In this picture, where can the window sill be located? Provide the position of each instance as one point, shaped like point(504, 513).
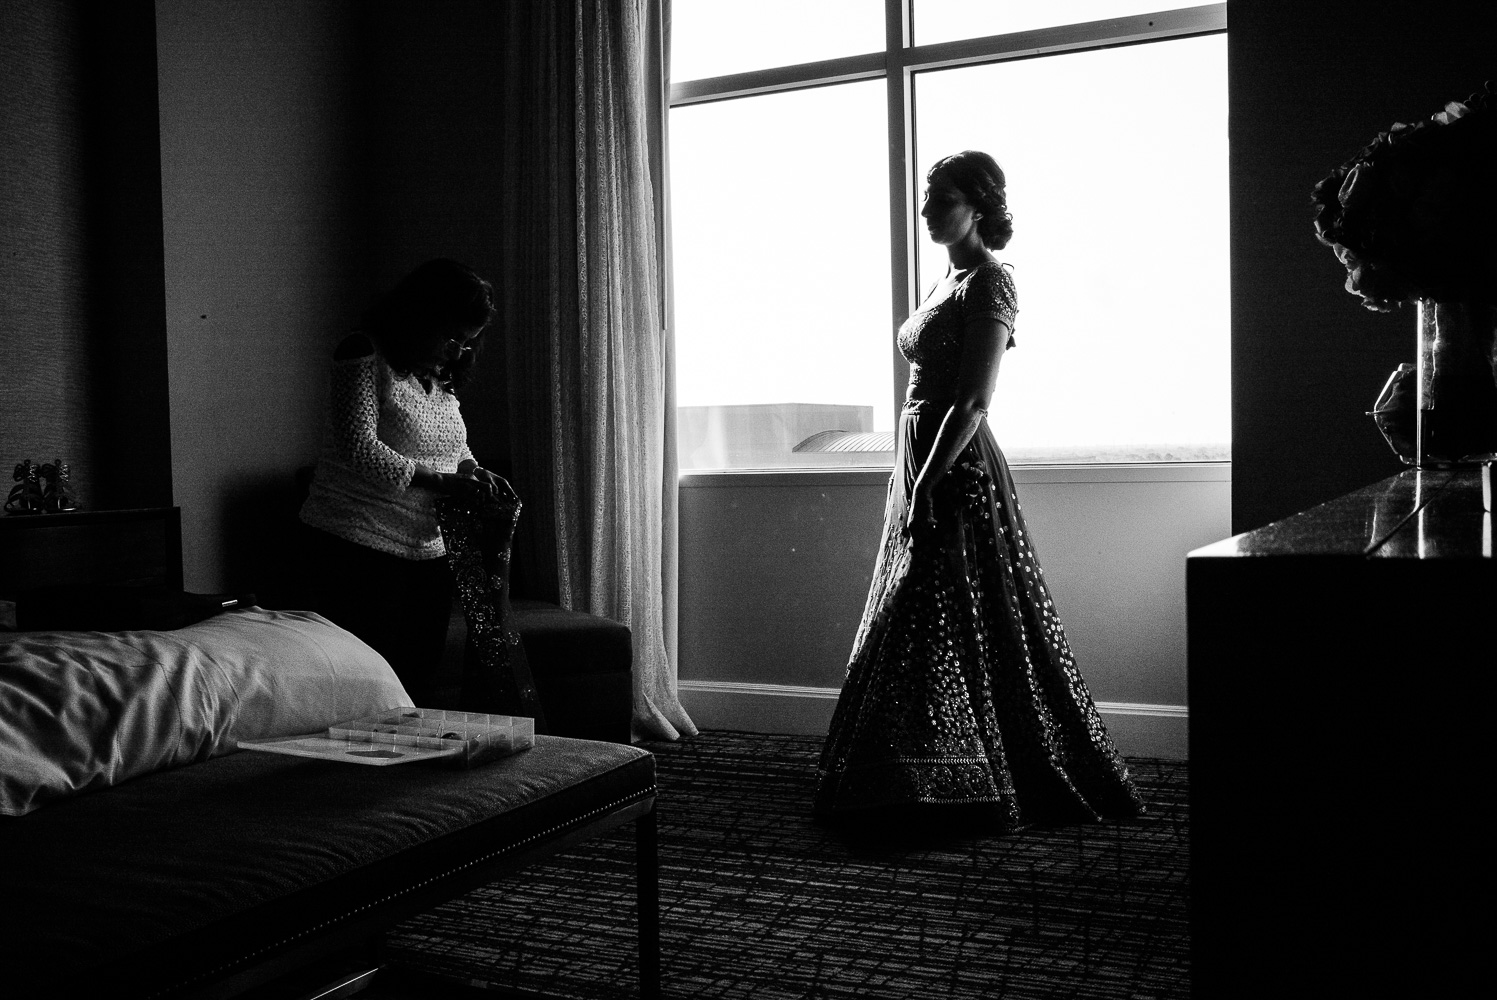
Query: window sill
point(1173, 472)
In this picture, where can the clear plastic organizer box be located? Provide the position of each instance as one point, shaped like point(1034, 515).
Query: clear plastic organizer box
point(406, 735)
point(479, 737)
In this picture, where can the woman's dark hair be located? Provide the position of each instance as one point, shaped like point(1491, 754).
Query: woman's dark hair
point(979, 178)
point(440, 297)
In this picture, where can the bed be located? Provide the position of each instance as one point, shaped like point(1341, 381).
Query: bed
point(143, 854)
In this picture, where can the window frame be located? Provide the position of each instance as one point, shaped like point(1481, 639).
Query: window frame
point(897, 65)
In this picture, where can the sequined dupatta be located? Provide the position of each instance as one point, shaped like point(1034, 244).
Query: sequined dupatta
point(496, 673)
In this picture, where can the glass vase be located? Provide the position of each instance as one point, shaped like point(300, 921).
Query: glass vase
point(1457, 383)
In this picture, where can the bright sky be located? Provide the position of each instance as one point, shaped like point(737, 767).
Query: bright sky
point(1117, 169)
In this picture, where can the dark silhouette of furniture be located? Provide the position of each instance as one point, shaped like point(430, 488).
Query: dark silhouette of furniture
point(1340, 705)
point(582, 664)
point(256, 872)
point(582, 667)
point(225, 875)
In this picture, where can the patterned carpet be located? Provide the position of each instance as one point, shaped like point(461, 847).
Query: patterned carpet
point(759, 902)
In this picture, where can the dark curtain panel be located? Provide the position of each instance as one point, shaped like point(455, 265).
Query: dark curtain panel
point(539, 292)
point(588, 351)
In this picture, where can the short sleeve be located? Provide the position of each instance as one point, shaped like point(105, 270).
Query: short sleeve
point(989, 294)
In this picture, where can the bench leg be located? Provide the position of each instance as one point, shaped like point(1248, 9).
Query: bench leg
point(648, 862)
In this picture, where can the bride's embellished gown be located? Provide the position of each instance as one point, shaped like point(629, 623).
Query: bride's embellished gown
point(961, 687)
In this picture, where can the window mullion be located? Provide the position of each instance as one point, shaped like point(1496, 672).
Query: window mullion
point(843, 69)
point(1132, 30)
point(902, 291)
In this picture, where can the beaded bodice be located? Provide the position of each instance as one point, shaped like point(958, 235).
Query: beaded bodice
point(931, 339)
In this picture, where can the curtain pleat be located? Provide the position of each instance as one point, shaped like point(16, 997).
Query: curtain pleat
point(598, 425)
point(658, 74)
point(538, 278)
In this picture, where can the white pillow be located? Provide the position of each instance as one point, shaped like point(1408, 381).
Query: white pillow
point(81, 710)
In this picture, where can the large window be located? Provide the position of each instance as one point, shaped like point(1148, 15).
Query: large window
point(781, 252)
point(796, 167)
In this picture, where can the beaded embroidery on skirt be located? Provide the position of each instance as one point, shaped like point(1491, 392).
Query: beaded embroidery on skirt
point(962, 687)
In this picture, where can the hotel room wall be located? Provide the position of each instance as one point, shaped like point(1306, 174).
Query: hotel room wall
point(775, 569)
point(82, 330)
point(1311, 84)
point(265, 258)
point(433, 147)
point(311, 155)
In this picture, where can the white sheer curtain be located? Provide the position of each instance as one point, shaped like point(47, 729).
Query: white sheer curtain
point(588, 356)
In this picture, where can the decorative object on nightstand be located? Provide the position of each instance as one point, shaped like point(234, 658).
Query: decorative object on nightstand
point(26, 496)
point(57, 488)
point(1410, 217)
point(1457, 385)
point(1396, 413)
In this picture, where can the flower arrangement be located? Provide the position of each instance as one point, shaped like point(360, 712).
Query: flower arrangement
point(1414, 214)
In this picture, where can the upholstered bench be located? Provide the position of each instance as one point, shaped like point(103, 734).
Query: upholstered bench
point(234, 873)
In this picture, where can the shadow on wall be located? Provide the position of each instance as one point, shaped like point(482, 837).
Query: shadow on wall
point(263, 550)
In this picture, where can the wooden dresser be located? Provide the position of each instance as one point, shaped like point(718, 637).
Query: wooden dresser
point(1341, 747)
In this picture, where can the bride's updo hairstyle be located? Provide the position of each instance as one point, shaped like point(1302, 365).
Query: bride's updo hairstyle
point(979, 178)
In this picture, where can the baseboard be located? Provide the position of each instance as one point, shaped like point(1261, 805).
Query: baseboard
point(1138, 730)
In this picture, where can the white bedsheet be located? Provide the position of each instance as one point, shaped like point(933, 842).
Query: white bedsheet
point(84, 710)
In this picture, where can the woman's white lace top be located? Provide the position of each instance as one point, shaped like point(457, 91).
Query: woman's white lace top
point(380, 426)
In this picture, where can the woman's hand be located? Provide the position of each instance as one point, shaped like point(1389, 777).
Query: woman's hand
point(495, 486)
point(920, 517)
point(463, 484)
